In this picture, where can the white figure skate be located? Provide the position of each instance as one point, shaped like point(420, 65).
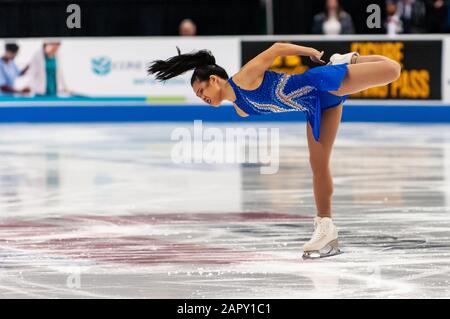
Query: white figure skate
point(342, 58)
point(324, 241)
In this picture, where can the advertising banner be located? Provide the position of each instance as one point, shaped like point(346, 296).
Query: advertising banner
point(421, 62)
point(116, 67)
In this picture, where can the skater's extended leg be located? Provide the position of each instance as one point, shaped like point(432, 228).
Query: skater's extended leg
point(357, 59)
point(376, 71)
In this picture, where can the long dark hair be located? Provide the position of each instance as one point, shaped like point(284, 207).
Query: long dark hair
point(203, 63)
point(339, 10)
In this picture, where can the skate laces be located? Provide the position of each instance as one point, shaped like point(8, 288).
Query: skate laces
point(320, 230)
point(317, 221)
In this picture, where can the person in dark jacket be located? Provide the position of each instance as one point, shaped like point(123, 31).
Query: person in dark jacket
point(437, 15)
point(412, 13)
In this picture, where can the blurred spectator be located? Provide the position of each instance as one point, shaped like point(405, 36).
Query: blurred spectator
point(436, 16)
point(393, 23)
point(412, 14)
point(9, 71)
point(45, 71)
point(187, 28)
point(333, 20)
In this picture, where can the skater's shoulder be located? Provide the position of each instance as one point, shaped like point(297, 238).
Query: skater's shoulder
point(249, 84)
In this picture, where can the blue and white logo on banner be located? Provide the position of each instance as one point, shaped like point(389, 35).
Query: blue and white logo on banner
point(101, 65)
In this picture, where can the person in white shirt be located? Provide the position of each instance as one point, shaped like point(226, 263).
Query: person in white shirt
point(393, 24)
point(45, 74)
point(333, 20)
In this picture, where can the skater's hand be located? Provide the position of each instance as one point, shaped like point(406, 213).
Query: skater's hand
point(316, 56)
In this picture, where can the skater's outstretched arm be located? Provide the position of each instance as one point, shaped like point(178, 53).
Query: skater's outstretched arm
point(252, 72)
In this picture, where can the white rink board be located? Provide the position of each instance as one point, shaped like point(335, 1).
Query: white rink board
point(446, 71)
point(117, 66)
point(124, 59)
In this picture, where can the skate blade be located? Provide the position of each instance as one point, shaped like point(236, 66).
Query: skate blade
point(332, 249)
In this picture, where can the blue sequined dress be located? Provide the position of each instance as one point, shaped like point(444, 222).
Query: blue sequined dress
point(306, 92)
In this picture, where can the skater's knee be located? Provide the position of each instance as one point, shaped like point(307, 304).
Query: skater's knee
point(319, 165)
point(393, 70)
point(397, 69)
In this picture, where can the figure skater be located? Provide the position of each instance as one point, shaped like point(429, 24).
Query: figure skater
point(319, 93)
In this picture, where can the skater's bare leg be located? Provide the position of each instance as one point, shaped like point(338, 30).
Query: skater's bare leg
point(368, 72)
point(319, 158)
point(368, 58)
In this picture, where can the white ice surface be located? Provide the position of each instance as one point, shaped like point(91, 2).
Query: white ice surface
point(95, 211)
